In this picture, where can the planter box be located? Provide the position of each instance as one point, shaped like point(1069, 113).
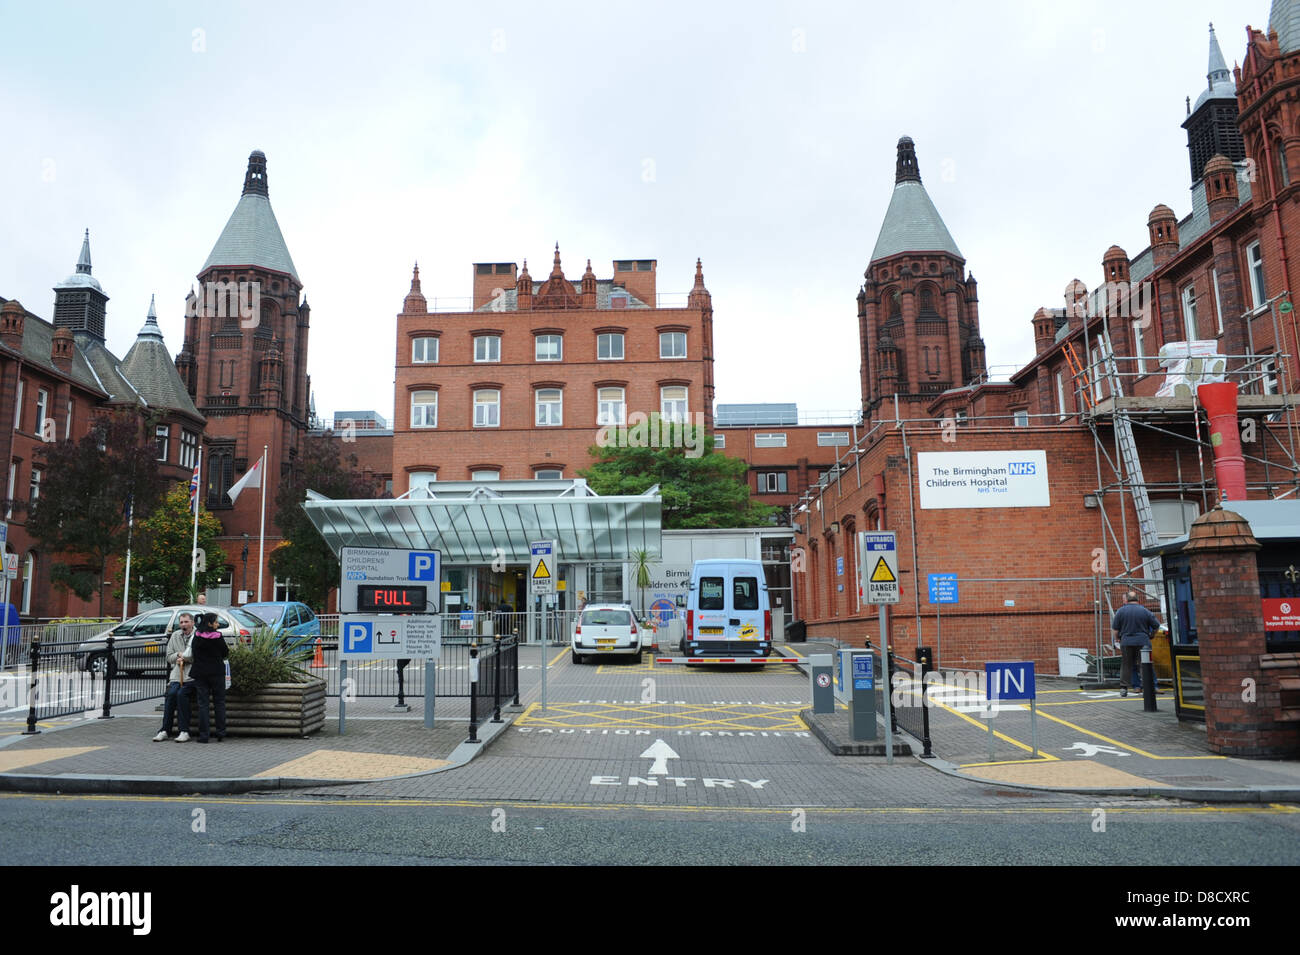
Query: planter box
point(278, 709)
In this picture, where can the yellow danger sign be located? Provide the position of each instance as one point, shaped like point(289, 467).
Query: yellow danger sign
point(882, 574)
point(542, 572)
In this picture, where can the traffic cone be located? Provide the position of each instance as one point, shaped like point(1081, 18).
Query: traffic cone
point(318, 662)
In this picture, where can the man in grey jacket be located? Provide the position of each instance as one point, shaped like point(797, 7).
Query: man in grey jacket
point(179, 657)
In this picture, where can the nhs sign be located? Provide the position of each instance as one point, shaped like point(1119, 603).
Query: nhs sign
point(1009, 681)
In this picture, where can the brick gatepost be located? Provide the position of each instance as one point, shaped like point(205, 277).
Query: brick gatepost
point(1230, 628)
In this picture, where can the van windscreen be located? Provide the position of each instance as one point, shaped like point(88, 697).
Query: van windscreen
point(746, 593)
point(711, 593)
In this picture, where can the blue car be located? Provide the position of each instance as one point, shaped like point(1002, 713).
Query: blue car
point(288, 618)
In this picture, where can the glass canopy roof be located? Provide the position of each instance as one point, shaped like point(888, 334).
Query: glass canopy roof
point(473, 523)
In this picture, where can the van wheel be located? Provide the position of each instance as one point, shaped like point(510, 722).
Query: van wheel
point(577, 659)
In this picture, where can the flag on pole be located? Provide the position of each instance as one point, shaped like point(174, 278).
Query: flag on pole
point(194, 490)
point(252, 479)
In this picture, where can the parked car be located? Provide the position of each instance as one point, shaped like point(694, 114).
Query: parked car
point(605, 630)
point(289, 618)
point(140, 643)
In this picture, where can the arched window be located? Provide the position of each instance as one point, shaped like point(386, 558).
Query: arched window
point(221, 475)
point(927, 301)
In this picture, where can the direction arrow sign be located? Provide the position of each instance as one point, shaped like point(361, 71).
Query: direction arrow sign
point(660, 752)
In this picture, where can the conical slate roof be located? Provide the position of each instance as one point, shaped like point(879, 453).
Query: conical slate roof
point(1284, 17)
point(252, 236)
point(150, 371)
point(912, 223)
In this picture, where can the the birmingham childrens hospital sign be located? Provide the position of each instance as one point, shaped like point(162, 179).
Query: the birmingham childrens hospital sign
point(952, 479)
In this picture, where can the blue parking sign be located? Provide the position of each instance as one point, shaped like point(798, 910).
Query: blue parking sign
point(423, 565)
point(358, 636)
point(864, 677)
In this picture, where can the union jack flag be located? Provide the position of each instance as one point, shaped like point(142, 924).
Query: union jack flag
point(194, 491)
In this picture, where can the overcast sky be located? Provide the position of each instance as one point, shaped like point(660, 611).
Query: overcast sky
point(759, 138)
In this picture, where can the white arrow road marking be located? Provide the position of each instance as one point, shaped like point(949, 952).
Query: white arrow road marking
point(1102, 695)
point(660, 752)
point(1092, 749)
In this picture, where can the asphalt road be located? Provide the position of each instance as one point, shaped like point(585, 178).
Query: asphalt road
point(272, 830)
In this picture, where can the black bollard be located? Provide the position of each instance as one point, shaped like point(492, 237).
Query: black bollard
point(473, 693)
point(35, 662)
point(1148, 682)
point(110, 667)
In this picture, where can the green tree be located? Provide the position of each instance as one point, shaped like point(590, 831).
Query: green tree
point(303, 557)
point(160, 559)
point(81, 514)
point(699, 487)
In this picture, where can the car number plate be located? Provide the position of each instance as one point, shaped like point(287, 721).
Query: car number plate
point(605, 642)
point(711, 630)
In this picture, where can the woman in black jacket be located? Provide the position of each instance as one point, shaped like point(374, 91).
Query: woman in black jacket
point(209, 673)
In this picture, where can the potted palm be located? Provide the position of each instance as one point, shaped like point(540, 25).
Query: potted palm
point(270, 694)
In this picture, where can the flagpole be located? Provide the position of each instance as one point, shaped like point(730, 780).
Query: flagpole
point(261, 531)
point(194, 546)
point(130, 525)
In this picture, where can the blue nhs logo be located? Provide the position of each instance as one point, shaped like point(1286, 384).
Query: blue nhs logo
point(423, 565)
point(358, 637)
point(1020, 467)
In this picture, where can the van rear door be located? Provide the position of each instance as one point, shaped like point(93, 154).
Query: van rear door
point(745, 608)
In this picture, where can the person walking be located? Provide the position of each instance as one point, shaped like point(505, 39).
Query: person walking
point(1133, 626)
point(179, 692)
point(209, 673)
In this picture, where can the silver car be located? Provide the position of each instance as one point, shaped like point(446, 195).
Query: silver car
point(140, 643)
point(605, 630)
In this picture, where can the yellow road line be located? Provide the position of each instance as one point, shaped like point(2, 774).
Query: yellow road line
point(983, 727)
point(1270, 809)
point(1132, 749)
point(666, 716)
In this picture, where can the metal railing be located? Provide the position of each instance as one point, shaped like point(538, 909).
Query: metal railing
point(16, 640)
point(910, 710)
point(60, 679)
point(398, 679)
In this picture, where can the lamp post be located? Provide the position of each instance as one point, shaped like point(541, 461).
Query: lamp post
point(243, 584)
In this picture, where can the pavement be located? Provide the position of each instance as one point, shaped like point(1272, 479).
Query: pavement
point(747, 735)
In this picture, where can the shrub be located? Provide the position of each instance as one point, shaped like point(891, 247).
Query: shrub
point(267, 658)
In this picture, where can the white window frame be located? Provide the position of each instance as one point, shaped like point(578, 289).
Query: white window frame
point(421, 347)
point(13, 480)
point(490, 408)
point(18, 407)
point(559, 347)
point(1255, 273)
point(67, 421)
point(419, 481)
point(1268, 371)
point(769, 482)
point(34, 486)
point(832, 439)
point(609, 339)
point(1020, 417)
point(548, 413)
point(1188, 297)
point(189, 448)
point(1060, 395)
point(672, 337)
point(610, 411)
point(1139, 346)
point(674, 408)
point(423, 418)
point(42, 409)
point(769, 439)
point(162, 437)
point(487, 348)
point(29, 572)
point(1218, 305)
point(548, 474)
point(719, 440)
point(486, 474)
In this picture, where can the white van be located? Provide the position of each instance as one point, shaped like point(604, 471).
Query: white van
point(727, 610)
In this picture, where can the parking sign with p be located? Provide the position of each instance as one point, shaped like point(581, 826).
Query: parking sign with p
point(358, 637)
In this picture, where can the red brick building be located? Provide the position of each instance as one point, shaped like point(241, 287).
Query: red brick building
point(1216, 275)
point(54, 379)
point(244, 363)
point(522, 385)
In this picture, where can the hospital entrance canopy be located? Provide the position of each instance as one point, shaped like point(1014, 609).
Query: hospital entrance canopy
point(477, 522)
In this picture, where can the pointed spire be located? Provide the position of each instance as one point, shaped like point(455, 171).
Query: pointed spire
point(907, 169)
point(556, 271)
point(83, 260)
point(699, 296)
point(699, 274)
point(415, 301)
point(415, 279)
point(1218, 71)
point(255, 177)
point(151, 329)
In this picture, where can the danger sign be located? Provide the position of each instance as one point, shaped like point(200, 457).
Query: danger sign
point(542, 560)
point(878, 567)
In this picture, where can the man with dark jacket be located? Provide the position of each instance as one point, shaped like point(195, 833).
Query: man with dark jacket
point(1133, 626)
point(209, 672)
